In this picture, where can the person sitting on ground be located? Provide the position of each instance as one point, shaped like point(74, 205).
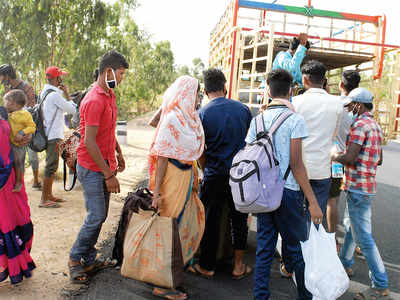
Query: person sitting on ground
point(362, 157)
point(292, 59)
point(54, 106)
point(16, 229)
point(21, 124)
point(177, 144)
point(99, 160)
point(288, 220)
point(225, 124)
point(349, 81)
point(9, 79)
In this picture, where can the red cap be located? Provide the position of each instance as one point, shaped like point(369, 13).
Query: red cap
point(52, 72)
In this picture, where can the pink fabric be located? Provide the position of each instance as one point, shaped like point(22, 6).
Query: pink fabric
point(285, 102)
point(14, 215)
point(179, 133)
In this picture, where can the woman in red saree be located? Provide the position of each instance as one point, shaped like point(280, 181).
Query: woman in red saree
point(16, 229)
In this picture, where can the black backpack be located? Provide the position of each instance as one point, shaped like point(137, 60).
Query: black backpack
point(39, 139)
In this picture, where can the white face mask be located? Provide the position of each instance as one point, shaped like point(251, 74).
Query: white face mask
point(111, 84)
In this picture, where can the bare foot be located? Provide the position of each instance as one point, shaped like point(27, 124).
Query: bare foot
point(17, 187)
point(242, 270)
point(196, 269)
point(55, 199)
point(169, 294)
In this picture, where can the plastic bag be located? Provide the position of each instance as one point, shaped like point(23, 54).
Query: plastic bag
point(324, 273)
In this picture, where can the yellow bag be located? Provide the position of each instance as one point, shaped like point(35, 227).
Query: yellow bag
point(152, 250)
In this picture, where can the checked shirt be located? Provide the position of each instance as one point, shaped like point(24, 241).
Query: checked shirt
point(360, 177)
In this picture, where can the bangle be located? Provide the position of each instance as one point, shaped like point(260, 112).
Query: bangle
point(109, 177)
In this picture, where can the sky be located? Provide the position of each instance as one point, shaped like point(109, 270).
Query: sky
point(187, 23)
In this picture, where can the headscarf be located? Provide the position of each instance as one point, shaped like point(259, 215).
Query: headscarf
point(179, 133)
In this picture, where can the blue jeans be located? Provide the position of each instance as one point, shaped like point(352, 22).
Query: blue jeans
point(97, 201)
point(291, 220)
point(321, 188)
point(359, 229)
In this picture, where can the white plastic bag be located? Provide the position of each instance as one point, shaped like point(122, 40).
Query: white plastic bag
point(324, 274)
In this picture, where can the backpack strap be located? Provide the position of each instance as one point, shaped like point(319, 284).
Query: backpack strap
point(46, 93)
point(260, 125)
point(278, 122)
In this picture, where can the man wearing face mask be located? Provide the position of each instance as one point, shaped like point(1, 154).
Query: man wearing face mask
point(363, 155)
point(56, 101)
point(99, 160)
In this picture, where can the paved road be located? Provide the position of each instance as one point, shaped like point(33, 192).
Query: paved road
point(386, 215)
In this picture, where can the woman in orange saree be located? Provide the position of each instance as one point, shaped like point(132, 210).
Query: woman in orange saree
point(178, 143)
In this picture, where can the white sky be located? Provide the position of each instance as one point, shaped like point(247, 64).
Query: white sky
point(188, 23)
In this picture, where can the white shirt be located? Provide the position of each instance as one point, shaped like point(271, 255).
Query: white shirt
point(322, 113)
point(344, 128)
point(54, 107)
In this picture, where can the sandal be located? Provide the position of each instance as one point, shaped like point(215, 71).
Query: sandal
point(98, 265)
point(372, 294)
point(37, 186)
point(195, 271)
point(58, 200)
point(49, 204)
point(170, 294)
point(77, 274)
point(247, 271)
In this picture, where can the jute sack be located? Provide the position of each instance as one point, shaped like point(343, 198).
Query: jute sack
point(152, 250)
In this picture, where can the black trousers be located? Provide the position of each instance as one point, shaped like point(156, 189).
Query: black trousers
point(215, 194)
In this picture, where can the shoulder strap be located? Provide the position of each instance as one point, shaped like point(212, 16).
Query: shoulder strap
point(260, 125)
point(278, 122)
point(46, 93)
point(65, 178)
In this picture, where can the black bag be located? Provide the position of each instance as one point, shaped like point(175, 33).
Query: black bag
point(39, 139)
point(142, 199)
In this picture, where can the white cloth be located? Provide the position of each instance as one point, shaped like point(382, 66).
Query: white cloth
point(55, 105)
point(344, 127)
point(322, 113)
point(180, 132)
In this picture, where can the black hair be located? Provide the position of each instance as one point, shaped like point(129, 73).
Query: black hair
point(16, 96)
point(95, 74)
point(279, 82)
point(8, 69)
point(295, 42)
point(315, 71)
point(351, 79)
point(369, 106)
point(112, 59)
point(214, 80)
point(3, 113)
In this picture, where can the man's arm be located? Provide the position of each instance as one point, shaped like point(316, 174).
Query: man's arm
point(300, 174)
point(30, 95)
point(94, 152)
point(350, 157)
point(120, 157)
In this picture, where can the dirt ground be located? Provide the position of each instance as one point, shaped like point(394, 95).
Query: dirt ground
point(55, 230)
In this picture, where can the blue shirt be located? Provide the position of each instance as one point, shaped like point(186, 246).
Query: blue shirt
point(293, 128)
point(284, 60)
point(225, 124)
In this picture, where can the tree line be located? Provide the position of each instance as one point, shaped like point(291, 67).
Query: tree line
point(73, 35)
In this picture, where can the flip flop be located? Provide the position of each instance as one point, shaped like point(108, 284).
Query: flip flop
point(58, 200)
point(247, 271)
point(77, 274)
point(372, 294)
point(193, 269)
point(98, 265)
point(170, 293)
point(49, 204)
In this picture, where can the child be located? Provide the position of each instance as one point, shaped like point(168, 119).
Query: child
point(16, 229)
point(21, 124)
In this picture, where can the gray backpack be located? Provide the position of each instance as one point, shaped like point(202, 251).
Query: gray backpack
point(255, 174)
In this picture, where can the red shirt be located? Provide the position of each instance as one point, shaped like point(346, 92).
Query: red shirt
point(365, 132)
point(98, 109)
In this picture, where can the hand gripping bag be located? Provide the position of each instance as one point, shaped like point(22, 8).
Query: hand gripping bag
point(324, 273)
